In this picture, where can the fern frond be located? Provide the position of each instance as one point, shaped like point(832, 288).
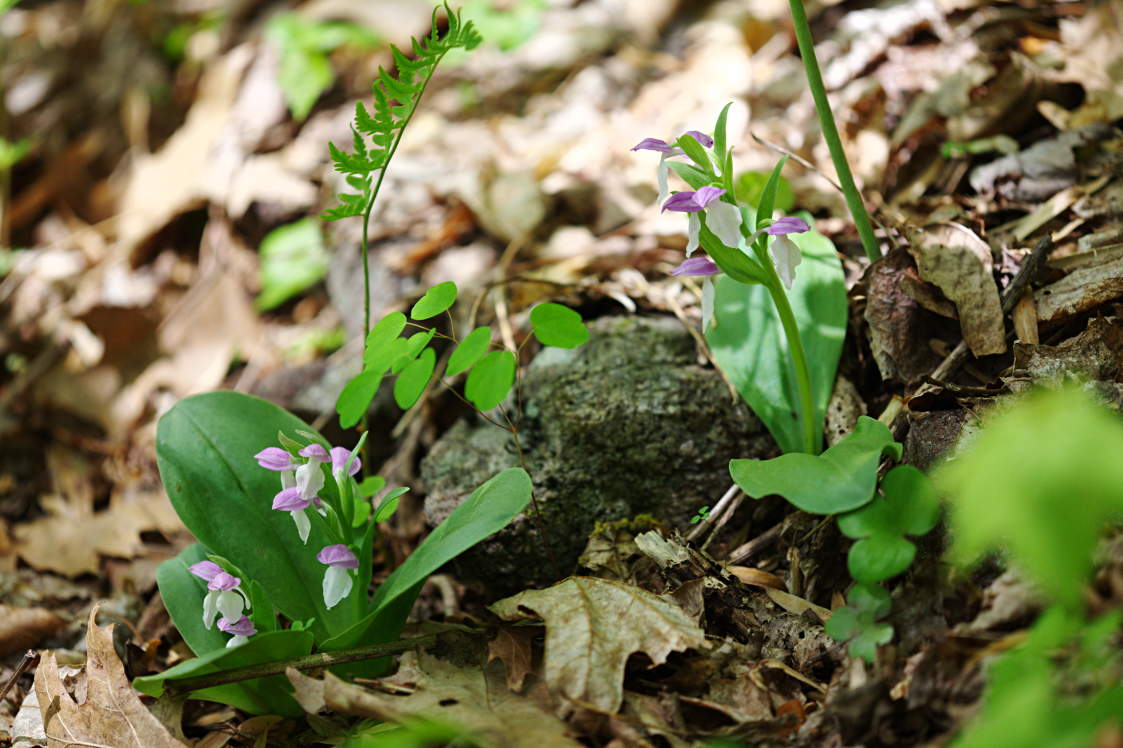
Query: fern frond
point(378, 131)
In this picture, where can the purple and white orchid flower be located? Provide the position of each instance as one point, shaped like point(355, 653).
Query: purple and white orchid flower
point(301, 481)
point(337, 579)
point(785, 254)
point(666, 151)
point(242, 628)
point(224, 594)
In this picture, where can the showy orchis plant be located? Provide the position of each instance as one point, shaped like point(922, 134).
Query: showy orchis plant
point(737, 245)
point(304, 548)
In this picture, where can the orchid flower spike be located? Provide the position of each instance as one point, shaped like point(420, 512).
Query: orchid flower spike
point(242, 628)
point(337, 578)
point(785, 254)
point(301, 480)
point(224, 594)
point(666, 151)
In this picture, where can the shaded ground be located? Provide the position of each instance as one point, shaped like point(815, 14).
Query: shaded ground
point(161, 151)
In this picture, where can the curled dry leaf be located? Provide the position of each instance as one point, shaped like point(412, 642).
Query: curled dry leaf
point(593, 626)
point(111, 715)
point(953, 258)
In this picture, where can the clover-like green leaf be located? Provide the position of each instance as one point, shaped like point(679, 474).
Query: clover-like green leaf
point(840, 479)
point(907, 506)
point(411, 382)
point(469, 351)
point(490, 380)
point(857, 621)
point(436, 300)
point(414, 345)
point(558, 326)
point(385, 330)
point(356, 396)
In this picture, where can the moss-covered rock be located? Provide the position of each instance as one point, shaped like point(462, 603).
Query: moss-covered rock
point(629, 423)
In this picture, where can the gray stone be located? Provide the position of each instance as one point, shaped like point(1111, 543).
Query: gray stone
point(627, 424)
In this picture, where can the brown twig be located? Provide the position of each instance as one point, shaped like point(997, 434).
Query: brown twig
point(30, 660)
point(308, 662)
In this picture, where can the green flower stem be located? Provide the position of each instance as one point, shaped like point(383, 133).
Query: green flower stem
point(830, 131)
point(795, 345)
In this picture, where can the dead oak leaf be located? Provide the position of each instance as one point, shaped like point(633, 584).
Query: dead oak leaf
point(471, 698)
point(593, 626)
point(112, 713)
point(512, 646)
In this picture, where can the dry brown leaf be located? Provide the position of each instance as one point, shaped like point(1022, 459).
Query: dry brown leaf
point(21, 628)
point(1092, 50)
point(111, 714)
point(953, 258)
point(899, 328)
point(72, 537)
point(167, 183)
point(512, 646)
point(758, 577)
point(795, 604)
point(474, 699)
point(593, 626)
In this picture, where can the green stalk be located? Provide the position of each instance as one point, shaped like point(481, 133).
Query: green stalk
point(830, 131)
point(374, 196)
point(795, 346)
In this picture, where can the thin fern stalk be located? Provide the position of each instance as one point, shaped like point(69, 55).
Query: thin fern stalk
point(363, 248)
point(830, 130)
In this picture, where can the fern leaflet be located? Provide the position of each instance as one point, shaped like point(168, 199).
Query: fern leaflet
point(378, 132)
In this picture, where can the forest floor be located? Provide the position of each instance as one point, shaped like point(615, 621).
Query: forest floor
point(149, 151)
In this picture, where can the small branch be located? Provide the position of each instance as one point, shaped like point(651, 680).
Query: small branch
point(308, 662)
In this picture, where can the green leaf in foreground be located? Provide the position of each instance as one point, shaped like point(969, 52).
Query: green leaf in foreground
point(1041, 480)
point(293, 258)
point(840, 479)
point(558, 326)
point(436, 300)
point(469, 351)
point(490, 380)
point(907, 506)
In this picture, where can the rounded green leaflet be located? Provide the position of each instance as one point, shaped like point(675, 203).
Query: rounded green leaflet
point(558, 326)
point(414, 345)
point(436, 300)
point(470, 350)
point(356, 396)
point(411, 382)
point(386, 329)
point(491, 379)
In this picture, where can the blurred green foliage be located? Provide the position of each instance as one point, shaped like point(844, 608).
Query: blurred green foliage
point(1040, 481)
point(304, 45)
point(293, 258)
